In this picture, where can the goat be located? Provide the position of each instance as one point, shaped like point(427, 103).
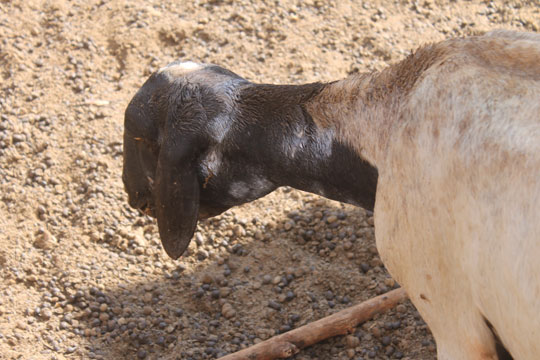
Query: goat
point(448, 140)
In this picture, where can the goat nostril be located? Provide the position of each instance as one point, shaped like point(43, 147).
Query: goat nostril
point(132, 202)
point(137, 202)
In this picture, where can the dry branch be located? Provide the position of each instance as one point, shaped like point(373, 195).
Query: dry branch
point(340, 323)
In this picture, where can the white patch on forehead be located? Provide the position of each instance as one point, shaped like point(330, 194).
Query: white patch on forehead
point(180, 69)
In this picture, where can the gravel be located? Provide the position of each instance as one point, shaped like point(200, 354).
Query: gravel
point(84, 276)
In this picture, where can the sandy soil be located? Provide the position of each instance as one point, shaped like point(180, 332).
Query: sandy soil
point(83, 275)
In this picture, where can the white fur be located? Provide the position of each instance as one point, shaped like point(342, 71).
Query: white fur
point(239, 190)
point(220, 126)
point(250, 191)
point(211, 164)
point(176, 69)
point(228, 91)
point(323, 148)
point(297, 140)
point(457, 214)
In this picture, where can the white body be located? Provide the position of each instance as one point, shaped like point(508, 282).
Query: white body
point(457, 214)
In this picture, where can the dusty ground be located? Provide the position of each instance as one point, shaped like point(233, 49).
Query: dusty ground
point(83, 275)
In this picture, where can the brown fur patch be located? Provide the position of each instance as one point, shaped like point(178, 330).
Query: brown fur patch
point(435, 132)
point(369, 104)
point(365, 108)
point(400, 78)
point(518, 57)
point(464, 125)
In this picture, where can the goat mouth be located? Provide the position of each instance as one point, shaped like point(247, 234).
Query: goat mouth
point(143, 207)
point(141, 203)
point(208, 212)
point(203, 216)
point(148, 210)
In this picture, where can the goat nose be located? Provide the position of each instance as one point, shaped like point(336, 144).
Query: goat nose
point(135, 201)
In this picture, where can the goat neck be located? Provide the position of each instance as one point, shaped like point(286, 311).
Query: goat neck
point(298, 153)
point(364, 109)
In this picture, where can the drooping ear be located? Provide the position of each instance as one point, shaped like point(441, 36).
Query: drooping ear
point(177, 189)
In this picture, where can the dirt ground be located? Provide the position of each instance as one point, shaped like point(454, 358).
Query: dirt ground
point(83, 276)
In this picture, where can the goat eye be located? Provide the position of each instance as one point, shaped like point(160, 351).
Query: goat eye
point(149, 144)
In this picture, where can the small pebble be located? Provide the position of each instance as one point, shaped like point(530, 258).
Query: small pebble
point(224, 292)
point(274, 305)
point(352, 341)
point(46, 313)
point(389, 282)
point(207, 279)
point(294, 318)
point(289, 296)
point(202, 254)
point(331, 219)
point(64, 325)
point(45, 241)
point(147, 298)
point(329, 295)
point(365, 267)
point(160, 340)
point(228, 311)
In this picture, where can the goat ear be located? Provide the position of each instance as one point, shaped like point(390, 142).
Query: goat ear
point(177, 189)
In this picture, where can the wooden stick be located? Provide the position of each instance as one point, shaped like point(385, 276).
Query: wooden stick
point(343, 322)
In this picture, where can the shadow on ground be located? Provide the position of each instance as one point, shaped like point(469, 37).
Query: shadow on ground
point(313, 261)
